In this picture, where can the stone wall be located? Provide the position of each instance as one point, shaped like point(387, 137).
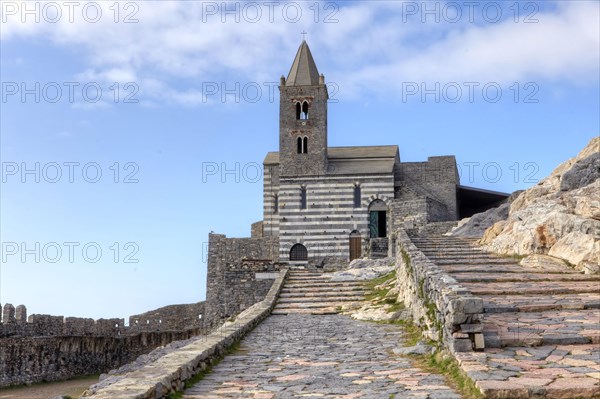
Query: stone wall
point(169, 373)
point(436, 228)
point(437, 302)
point(25, 360)
point(53, 348)
point(172, 317)
point(256, 230)
point(437, 179)
point(240, 273)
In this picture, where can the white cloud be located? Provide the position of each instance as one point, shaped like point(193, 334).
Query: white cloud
point(373, 47)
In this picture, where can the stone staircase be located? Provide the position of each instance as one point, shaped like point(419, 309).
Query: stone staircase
point(541, 325)
point(314, 293)
point(379, 248)
point(524, 306)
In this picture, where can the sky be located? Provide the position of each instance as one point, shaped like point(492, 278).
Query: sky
point(132, 129)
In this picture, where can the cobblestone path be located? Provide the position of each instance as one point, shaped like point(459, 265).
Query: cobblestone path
point(319, 356)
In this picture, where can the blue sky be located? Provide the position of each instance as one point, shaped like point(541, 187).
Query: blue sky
point(174, 59)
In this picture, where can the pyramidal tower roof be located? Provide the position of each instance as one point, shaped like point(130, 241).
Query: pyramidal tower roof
point(304, 70)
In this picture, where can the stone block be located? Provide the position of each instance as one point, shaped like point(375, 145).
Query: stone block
point(461, 345)
point(471, 328)
point(479, 341)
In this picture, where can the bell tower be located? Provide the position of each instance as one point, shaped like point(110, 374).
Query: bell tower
point(303, 118)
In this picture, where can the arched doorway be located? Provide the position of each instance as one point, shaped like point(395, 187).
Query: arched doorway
point(298, 252)
point(377, 219)
point(355, 245)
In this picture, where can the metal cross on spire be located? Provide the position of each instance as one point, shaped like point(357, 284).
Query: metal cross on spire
point(303, 33)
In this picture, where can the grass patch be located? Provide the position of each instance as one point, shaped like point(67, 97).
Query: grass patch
point(439, 362)
point(449, 368)
point(375, 289)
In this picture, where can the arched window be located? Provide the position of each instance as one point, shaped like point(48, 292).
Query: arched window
point(275, 203)
point(304, 114)
point(305, 145)
point(357, 196)
point(298, 110)
point(299, 145)
point(303, 197)
point(298, 252)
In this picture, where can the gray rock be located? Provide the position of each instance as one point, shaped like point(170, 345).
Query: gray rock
point(582, 173)
point(418, 349)
point(480, 222)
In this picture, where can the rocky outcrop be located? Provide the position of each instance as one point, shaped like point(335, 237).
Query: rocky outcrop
point(364, 269)
point(476, 225)
point(560, 216)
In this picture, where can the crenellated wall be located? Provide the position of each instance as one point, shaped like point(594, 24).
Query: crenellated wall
point(53, 348)
point(26, 360)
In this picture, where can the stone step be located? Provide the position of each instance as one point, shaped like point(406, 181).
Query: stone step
point(473, 261)
point(540, 288)
point(564, 327)
point(308, 279)
point(305, 273)
point(323, 311)
point(508, 268)
point(518, 277)
point(536, 303)
point(327, 285)
point(305, 299)
point(316, 305)
point(450, 248)
point(465, 254)
point(321, 294)
point(445, 241)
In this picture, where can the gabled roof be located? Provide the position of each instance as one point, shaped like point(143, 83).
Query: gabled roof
point(375, 151)
point(304, 70)
point(350, 160)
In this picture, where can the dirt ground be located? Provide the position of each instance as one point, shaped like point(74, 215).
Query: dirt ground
point(50, 390)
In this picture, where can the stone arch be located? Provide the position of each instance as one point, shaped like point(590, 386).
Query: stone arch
point(374, 197)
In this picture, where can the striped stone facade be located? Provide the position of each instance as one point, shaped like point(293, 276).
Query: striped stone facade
point(325, 225)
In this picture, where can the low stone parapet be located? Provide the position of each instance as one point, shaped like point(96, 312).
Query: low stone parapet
point(169, 373)
point(437, 302)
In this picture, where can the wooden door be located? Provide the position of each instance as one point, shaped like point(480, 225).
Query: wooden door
point(355, 247)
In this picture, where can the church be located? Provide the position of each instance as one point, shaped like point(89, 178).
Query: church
point(325, 204)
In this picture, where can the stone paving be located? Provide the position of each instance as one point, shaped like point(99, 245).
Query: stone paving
point(319, 356)
point(541, 325)
point(561, 371)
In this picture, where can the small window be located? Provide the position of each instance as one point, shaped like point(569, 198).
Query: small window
point(275, 203)
point(305, 145)
point(304, 114)
point(357, 196)
point(299, 145)
point(298, 110)
point(298, 252)
point(303, 198)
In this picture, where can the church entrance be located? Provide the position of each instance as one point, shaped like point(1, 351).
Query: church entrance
point(355, 245)
point(377, 219)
